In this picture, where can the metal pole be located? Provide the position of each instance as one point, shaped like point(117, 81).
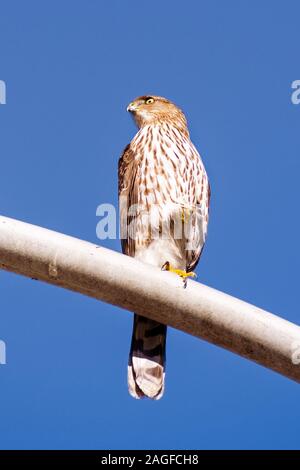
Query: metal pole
point(123, 281)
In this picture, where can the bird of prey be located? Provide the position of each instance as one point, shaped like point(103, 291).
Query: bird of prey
point(164, 198)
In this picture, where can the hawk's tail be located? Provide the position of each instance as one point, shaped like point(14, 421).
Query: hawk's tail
point(146, 366)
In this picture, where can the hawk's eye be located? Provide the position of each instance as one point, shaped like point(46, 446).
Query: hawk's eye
point(149, 101)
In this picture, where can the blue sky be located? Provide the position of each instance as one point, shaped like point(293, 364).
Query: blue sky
point(70, 69)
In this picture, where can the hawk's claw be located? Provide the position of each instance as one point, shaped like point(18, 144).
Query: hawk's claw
point(180, 272)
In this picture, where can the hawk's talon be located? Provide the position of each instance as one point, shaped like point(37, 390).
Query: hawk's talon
point(180, 272)
point(166, 266)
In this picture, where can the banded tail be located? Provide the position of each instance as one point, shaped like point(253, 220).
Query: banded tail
point(146, 366)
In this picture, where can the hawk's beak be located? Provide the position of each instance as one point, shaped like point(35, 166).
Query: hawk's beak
point(131, 107)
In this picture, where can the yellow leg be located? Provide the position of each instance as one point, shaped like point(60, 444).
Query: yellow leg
point(180, 272)
point(185, 214)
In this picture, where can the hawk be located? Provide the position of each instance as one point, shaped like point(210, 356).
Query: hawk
point(164, 198)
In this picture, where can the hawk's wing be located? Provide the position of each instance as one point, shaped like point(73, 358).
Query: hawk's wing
point(199, 189)
point(128, 196)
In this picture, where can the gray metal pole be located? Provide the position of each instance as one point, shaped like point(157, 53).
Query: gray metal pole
point(123, 281)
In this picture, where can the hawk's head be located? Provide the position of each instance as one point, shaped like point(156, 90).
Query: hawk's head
point(152, 109)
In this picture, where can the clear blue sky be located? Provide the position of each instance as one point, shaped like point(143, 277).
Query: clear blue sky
point(71, 68)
